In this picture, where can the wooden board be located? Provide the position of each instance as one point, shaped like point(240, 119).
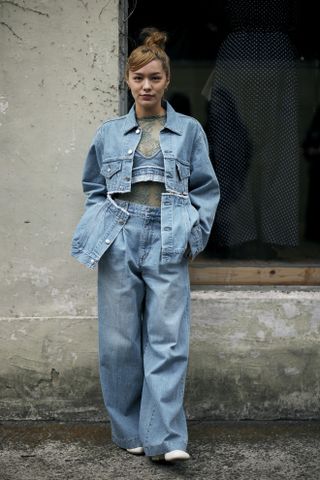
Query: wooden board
point(210, 274)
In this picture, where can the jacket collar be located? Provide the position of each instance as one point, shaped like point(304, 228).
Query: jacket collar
point(173, 122)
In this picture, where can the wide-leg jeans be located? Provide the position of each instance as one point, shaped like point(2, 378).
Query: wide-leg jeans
point(143, 309)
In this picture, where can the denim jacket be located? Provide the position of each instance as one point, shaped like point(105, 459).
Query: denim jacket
point(188, 205)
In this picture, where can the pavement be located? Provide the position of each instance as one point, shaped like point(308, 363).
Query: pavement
point(249, 450)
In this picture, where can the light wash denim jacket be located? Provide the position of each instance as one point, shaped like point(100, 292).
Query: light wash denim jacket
point(188, 205)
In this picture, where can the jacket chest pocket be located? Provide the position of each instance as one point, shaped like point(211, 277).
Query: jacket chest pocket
point(182, 176)
point(111, 170)
point(183, 170)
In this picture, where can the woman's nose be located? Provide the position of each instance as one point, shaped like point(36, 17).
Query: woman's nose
point(146, 84)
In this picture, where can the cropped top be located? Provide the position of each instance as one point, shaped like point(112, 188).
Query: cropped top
point(148, 169)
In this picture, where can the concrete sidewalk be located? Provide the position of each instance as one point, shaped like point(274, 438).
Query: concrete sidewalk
point(220, 450)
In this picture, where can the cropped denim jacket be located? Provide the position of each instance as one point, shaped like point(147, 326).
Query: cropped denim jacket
point(188, 205)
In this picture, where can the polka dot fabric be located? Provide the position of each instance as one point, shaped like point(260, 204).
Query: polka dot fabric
point(252, 127)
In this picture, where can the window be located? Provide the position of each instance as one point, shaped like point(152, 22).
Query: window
point(249, 72)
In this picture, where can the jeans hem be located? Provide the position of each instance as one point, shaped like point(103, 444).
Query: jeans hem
point(164, 448)
point(127, 442)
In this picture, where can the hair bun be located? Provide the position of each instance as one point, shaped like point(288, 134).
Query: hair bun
point(151, 37)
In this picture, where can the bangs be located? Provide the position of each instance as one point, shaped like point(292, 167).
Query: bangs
point(143, 55)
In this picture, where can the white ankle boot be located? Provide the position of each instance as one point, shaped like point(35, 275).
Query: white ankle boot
point(173, 456)
point(176, 455)
point(136, 451)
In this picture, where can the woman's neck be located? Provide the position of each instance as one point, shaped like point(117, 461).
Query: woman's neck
point(143, 113)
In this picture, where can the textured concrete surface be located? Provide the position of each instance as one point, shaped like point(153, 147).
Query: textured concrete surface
point(256, 354)
point(59, 79)
point(224, 451)
point(253, 355)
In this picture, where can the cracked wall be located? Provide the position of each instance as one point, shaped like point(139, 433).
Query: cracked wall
point(59, 79)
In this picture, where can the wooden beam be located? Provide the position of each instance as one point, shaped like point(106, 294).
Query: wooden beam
point(210, 274)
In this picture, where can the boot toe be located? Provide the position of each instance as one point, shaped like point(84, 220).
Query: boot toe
point(176, 455)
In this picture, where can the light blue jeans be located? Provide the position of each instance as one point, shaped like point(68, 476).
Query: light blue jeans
point(143, 336)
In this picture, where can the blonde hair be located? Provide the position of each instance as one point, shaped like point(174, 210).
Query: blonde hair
point(154, 42)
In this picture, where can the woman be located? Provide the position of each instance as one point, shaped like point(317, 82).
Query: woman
point(151, 199)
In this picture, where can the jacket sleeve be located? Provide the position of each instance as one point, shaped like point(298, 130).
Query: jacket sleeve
point(93, 182)
point(204, 192)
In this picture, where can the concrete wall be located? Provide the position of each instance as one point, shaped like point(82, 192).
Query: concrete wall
point(254, 354)
point(59, 79)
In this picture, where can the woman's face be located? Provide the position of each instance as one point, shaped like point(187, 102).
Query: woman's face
point(147, 86)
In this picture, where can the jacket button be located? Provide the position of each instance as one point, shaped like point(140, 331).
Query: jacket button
point(130, 151)
point(127, 179)
point(138, 130)
point(108, 241)
point(121, 222)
